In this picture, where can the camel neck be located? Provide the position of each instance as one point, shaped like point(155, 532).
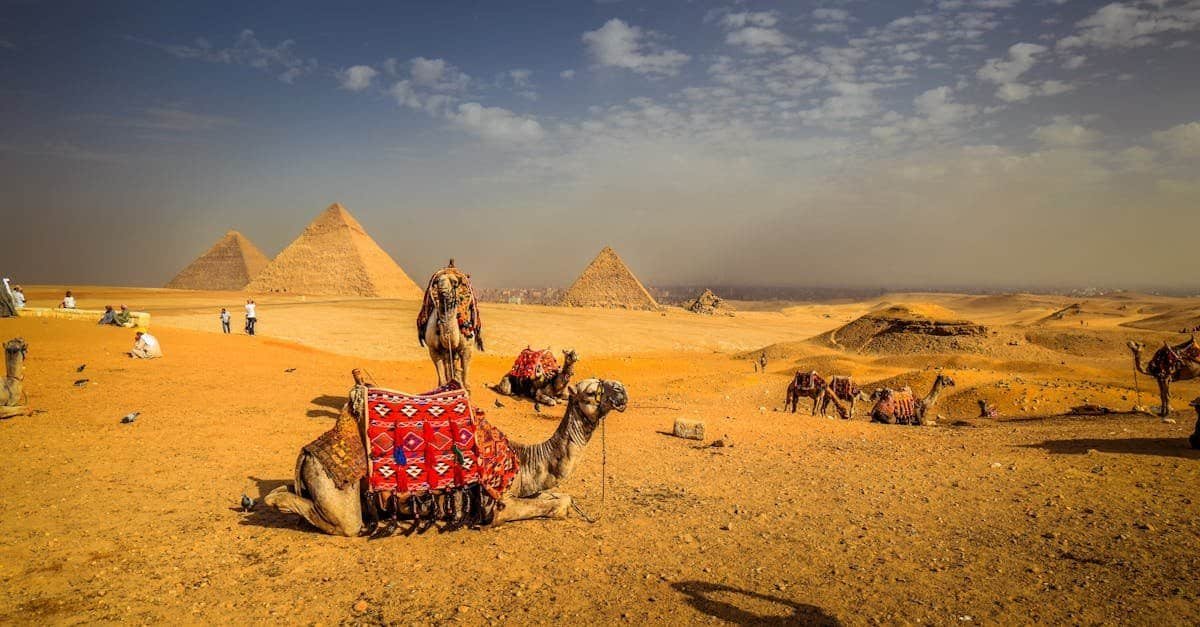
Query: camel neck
point(15, 367)
point(559, 453)
point(934, 393)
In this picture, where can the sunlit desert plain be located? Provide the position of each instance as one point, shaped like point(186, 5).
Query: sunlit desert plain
point(1029, 516)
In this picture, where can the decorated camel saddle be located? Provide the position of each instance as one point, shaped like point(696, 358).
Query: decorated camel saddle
point(1170, 359)
point(843, 387)
point(807, 381)
point(432, 456)
point(902, 404)
point(535, 365)
point(469, 322)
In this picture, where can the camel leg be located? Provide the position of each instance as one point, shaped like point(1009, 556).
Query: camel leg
point(10, 412)
point(543, 398)
point(336, 512)
point(544, 505)
point(1164, 394)
point(816, 399)
point(852, 401)
point(436, 358)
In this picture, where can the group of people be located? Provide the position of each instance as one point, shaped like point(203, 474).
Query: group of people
point(120, 318)
point(251, 317)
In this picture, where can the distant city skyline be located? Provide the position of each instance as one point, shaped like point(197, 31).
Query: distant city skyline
point(916, 143)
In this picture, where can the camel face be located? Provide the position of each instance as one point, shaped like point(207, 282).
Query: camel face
point(596, 397)
point(16, 345)
point(615, 395)
point(946, 381)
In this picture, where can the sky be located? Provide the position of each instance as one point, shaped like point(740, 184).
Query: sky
point(917, 143)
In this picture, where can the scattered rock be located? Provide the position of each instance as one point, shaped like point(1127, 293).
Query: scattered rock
point(1169, 421)
point(724, 442)
point(360, 606)
point(689, 429)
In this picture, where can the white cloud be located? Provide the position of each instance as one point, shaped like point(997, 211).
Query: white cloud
point(249, 51)
point(1062, 132)
point(496, 124)
point(762, 19)
point(1074, 62)
point(617, 44)
point(756, 40)
point(1133, 24)
point(1182, 140)
point(357, 77)
point(438, 75)
point(518, 81)
point(567, 74)
point(1021, 57)
point(831, 20)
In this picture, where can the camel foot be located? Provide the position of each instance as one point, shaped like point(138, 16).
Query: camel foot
point(12, 412)
point(545, 505)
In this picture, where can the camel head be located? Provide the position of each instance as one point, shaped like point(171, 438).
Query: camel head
point(877, 394)
point(1136, 347)
point(596, 397)
point(945, 381)
point(569, 357)
point(16, 345)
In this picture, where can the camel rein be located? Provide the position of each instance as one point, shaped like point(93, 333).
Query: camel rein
point(603, 478)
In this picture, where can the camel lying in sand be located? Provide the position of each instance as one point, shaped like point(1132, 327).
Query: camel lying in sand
point(13, 390)
point(316, 497)
point(903, 407)
point(548, 391)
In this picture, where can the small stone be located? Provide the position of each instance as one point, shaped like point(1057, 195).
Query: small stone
point(996, 464)
point(689, 429)
point(463, 609)
point(727, 526)
point(1169, 421)
point(360, 606)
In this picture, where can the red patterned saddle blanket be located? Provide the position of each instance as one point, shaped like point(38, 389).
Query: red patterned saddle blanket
point(843, 388)
point(534, 364)
point(901, 404)
point(809, 381)
point(422, 443)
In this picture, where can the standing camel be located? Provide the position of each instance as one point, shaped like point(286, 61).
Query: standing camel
point(805, 385)
point(842, 389)
point(336, 510)
point(12, 391)
point(1169, 363)
point(448, 322)
point(903, 407)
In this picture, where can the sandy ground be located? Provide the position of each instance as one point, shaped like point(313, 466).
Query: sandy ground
point(1031, 517)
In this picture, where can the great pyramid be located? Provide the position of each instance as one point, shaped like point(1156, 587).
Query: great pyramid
point(230, 264)
point(608, 282)
point(334, 256)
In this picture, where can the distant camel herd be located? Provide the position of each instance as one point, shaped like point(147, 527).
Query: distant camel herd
point(892, 406)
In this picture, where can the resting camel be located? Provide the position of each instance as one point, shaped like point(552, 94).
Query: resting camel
point(450, 344)
point(12, 392)
point(1169, 363)
point(805, 385)
point(903, 407)
point(316, 497)
point(547, 392)
point(842, 389)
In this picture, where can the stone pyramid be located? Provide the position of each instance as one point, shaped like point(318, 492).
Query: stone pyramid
point(608, 282)
point(230, 264)
point(334, 256)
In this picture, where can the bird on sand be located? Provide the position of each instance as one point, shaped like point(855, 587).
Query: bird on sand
point(130, 417)
point(247, 503)
point(80, 368)
point(498, 403)
point(80, 382)
point(537, 407)
point(290, 370)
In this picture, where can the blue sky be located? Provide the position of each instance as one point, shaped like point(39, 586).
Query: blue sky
point(932, 142)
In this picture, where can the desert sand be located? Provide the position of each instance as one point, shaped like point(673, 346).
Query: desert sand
point(1028, 517)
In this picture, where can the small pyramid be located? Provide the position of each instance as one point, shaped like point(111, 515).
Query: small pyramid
point(709, 304)
point(334, 256)
point(230, 264)
point(608, 282)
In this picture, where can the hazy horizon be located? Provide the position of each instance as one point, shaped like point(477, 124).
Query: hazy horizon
point(1037, 143)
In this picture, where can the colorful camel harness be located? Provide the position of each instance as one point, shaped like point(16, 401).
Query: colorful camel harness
point(538, 365)
point(808, 381)
point(1169, 360)
point(844, 388)
point(469, 322)
point(900, 404)
point(435, 455)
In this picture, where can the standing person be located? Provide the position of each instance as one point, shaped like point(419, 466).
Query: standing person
point(762, 361)
point(68, 301)
point(225, 320)
point(251, 316)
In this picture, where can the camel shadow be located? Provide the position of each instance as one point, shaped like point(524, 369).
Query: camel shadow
point(703, 596)
point(332, 402)
point(321, 413)
point(1165, 447)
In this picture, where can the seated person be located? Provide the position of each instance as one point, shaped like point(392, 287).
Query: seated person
point(68, 301)
point(123, 318)
point(110, 316)
point(145, 347)
point(19, 296)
